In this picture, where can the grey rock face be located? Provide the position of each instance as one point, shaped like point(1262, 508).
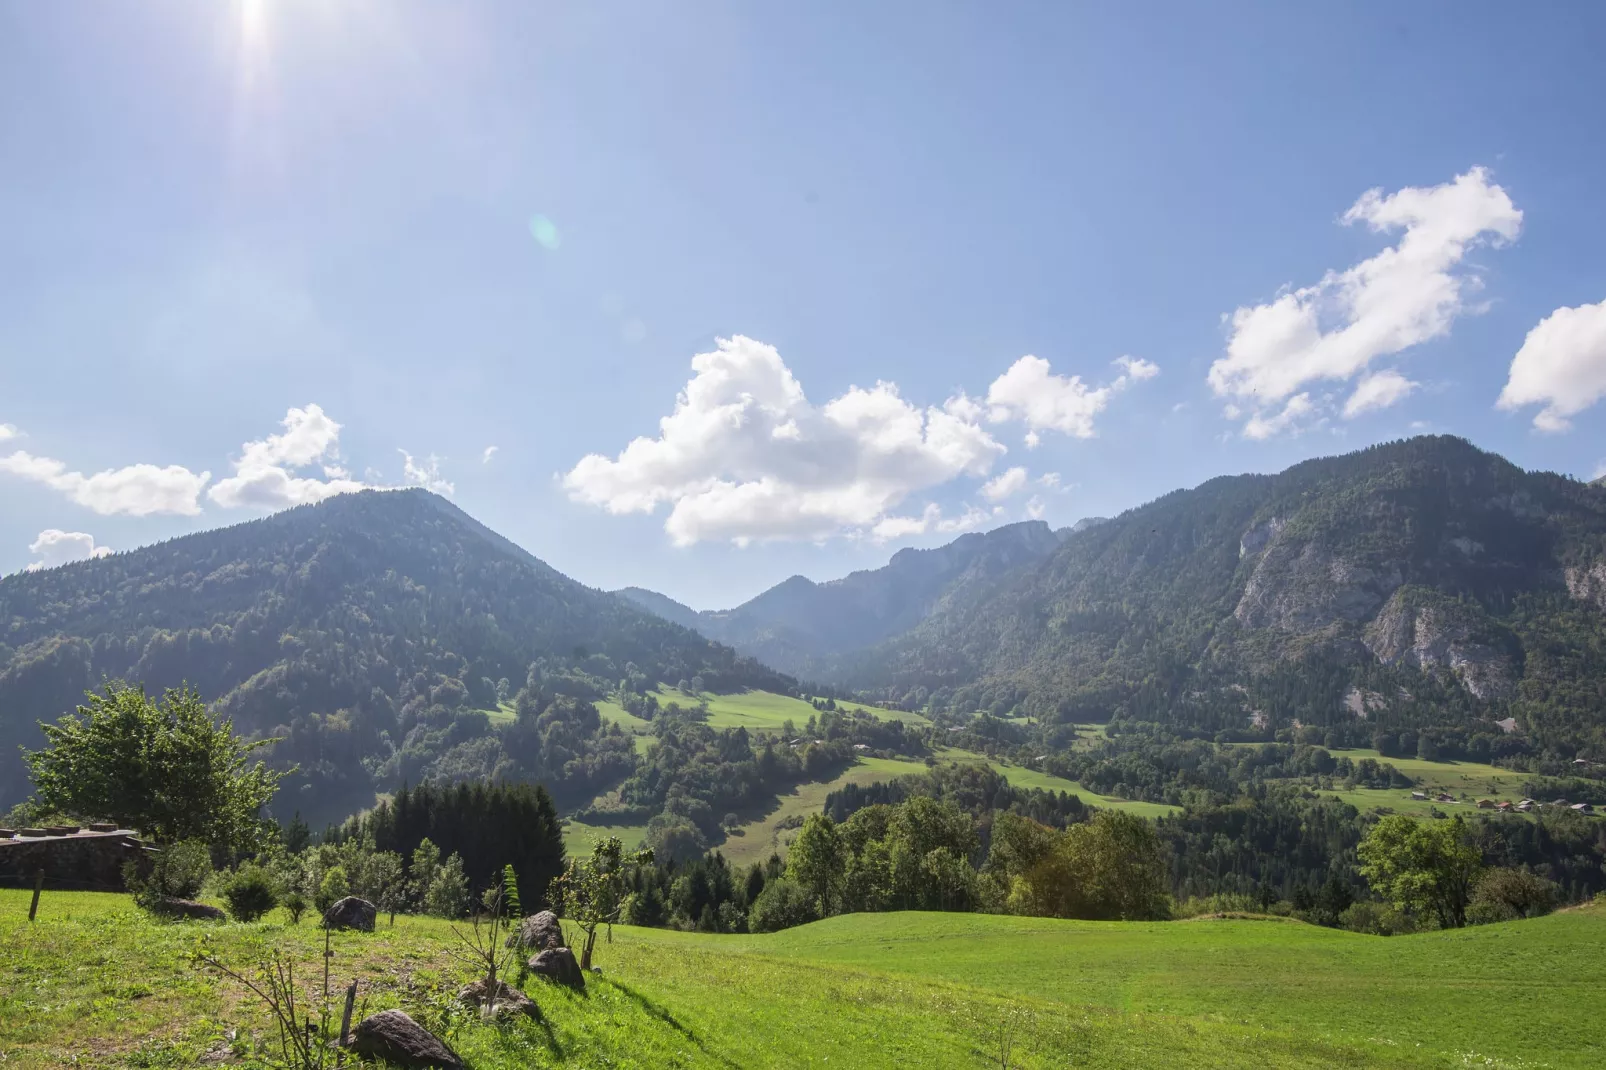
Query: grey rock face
point(400, 1041)
point(351, 913)
point(558, 964)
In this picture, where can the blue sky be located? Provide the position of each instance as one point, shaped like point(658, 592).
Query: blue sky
point(298, 247)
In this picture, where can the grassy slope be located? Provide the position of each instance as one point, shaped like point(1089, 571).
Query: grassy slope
point(756, 840)
point(1032, 778)
point(95, 980)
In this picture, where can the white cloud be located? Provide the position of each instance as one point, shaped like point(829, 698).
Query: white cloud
point(264, 476)
point(1562, 365)
point(137, 490)
point(1030, 391)
point(1049, 479)
point(746, 456)
point(1035, 507)
point(930, 519)
point(1405, 295)
point(1137, 368)
point(55, 547)
point(1378, 391)
point(1292, 417)
point(490, 451)
point(7, 431)
point(1006, 484)
point(426, 474)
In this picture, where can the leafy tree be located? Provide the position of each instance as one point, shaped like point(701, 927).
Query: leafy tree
point(782, 904)
point(447, 895)
point(1109, 868)
point(166, 768)
point(1505, 893)
point(1422, 867)
point(592, 890)
point(333, 888)
point(817, 860)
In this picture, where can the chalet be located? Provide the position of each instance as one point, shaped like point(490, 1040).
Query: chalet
point(1485, 804)
point(1582, 808)
point(861, 746)
point(1580, 761)
point(1444, 796)
point(1420, 796)
point(1505, 808)
point(1526, 805)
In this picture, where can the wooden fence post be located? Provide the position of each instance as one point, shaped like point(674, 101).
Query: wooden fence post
point(38, 886)
point(345, 1024)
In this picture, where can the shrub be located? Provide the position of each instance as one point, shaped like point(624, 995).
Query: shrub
point(296, 904)
point(782, 904)
point(331, 889)
point(249, 893)
point(1379, 919)
point(179, 871)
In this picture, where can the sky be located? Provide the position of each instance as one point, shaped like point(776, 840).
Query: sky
point(698, 296)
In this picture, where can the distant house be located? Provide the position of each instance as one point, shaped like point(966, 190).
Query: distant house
point(861, 746)
point(1504, 808)
point(1525, 805)
point(1582, 808)
point(1580, 761)
point(1420, 796)
point(1485, 804)
point(1444, 796)
point(1508, 726)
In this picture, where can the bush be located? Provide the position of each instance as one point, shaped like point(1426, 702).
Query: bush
point(1379, 919)
point(331, 889)
point(249, 893)
point(296, 904)
point(782, 904)
point(179, 871)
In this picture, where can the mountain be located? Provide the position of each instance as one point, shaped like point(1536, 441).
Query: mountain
point(798, 625)
point(356, 629)
point(1413, 583)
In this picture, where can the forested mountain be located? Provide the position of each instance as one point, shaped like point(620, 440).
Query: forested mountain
point(1418, 583)
point(365, 630)
point(798, 625)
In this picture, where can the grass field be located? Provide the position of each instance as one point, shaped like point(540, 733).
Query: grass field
point(1022, 777)
point(95, 984)
point(578, 836)
point(757, 840)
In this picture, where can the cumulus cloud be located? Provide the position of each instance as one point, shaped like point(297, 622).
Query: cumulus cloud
point(1292, 416)
point(746, 456)
point(490, 451)
point(1561, 365)
point(265, 475)
point(1031, 392)
point(1036, 507)
point(426, 474)
point(1378, 391)
point(7, 431)
point(137, 490)
point(56, 547)
point(1405, 295)
point(1007, 483)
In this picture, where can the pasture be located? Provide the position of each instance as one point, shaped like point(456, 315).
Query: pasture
point(94, 983)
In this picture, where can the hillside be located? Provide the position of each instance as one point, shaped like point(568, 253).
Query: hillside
point(798, 625)
point(1418, 583)
point(358, 628)
point(97, 982)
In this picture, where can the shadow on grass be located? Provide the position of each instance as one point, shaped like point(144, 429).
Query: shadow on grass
point(653, 1010)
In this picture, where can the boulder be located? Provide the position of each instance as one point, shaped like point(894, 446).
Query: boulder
point(351, 913)
point(538, 932)
point(188, 908)
point(400, 1041)
point(558, 964)
point(508, 1000)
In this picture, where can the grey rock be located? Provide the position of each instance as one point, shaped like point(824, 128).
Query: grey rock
point(538, 932)
point(507, 1000)
point(557, 964)
point(188, 908)
point(351, 913)
point(400, 1041)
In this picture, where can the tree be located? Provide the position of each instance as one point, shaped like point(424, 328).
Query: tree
point(1107, 869)
point(592, 890)
point(782, 904)
point(817, 861)
point(1422, 867)
point(447, 895)
point(164, 768)
point(1505, 893)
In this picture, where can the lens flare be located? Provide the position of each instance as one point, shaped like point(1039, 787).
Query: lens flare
point(544, 231)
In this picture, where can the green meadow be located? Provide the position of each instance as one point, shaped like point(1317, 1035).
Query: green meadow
point(757, 840)
point(1021, 777)
point(94, 983)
